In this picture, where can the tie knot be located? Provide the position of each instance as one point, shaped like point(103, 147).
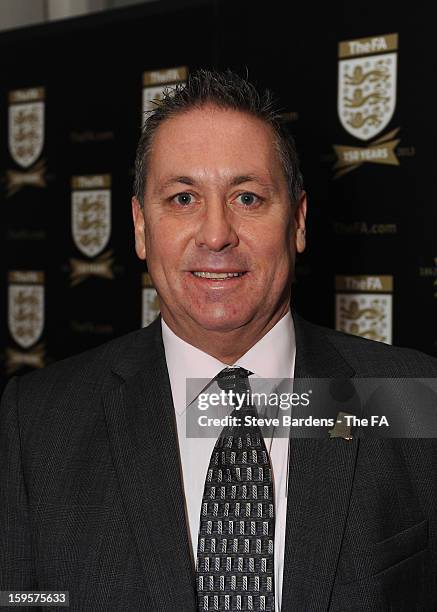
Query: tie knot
point(233, 378)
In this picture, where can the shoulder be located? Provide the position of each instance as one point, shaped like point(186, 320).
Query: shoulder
point(377, 359)
point(87, 372)
point(67, 395)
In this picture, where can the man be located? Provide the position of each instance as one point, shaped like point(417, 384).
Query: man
point(103, 493)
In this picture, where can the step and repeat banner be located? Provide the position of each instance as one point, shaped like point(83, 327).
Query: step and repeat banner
point(355, 94)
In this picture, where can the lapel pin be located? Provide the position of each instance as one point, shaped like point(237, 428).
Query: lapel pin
point(341, 428)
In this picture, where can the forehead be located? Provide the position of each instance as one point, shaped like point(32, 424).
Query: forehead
point(215, 142)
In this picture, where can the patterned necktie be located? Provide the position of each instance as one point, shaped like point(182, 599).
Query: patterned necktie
point(237, 519)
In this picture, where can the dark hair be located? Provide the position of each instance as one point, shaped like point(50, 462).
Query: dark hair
point(229, 91)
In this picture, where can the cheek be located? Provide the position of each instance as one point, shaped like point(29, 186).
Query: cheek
point(276, 263)
point(166, 241)
point(159, 234)
point(272, 248)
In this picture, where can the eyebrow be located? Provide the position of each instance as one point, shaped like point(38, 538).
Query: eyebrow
point(236, 180)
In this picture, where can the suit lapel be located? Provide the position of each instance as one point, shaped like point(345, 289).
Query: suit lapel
point(320, 480)
point(143, 435)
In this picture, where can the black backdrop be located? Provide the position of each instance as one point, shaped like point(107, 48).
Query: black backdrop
point(371, 263)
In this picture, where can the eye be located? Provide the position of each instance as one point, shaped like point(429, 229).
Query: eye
point(248, 199)
point(183, 199)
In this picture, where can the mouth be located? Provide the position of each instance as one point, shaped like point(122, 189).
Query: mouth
point(219, 276)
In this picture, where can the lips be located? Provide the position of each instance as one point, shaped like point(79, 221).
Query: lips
point(217, 275)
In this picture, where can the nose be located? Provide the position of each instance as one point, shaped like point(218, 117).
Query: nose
point(216, 231)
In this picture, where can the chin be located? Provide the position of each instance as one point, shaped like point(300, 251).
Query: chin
point(223, 319)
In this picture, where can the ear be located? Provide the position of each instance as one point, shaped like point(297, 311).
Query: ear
point(299, 221)
point(139, 228)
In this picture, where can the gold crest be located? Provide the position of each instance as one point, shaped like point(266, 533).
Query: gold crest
point(91, 213)
point(367, 84)
point(364, 306)
point(367, 87)
point(155, 81)
point(26, 307)
point(26, 125)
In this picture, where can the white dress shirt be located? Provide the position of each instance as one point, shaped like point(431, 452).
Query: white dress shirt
point(271, 357)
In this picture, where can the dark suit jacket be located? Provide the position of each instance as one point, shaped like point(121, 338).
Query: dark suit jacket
point(92, 500)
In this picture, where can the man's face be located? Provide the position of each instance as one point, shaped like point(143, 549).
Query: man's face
point(219, 232)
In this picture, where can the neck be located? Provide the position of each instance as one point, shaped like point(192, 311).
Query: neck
point(226, 346)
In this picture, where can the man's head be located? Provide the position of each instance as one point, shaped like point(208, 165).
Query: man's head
point(218, 190)
point(225, 90)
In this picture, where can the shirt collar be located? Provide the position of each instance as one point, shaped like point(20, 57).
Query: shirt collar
point(271, 357)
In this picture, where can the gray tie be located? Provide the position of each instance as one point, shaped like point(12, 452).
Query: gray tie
point(237, 518)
